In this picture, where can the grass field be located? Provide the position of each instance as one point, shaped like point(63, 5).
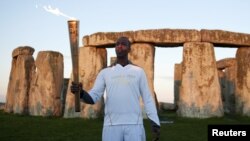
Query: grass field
point(28, 128)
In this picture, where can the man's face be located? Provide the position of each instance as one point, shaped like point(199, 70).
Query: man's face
point(122, 47)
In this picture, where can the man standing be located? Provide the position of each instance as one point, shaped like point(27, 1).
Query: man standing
point(125, 83)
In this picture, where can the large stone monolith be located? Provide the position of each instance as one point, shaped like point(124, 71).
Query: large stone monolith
point(19, 81)
point(200, 89)
point(143, 54)
point(243, 81)
point(47, 85)
point(91, 61)
point(227, 70)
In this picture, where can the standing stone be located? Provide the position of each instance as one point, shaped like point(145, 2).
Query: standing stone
point(227, 75)
point(47, 85)
point(143, 54)
point(177, 83)
point(230, 74)
point(200, 89)
point(223, 86)
point(112, 60)
point(64, 93)
point(91, 61)
point(19, 81)
point(243, 81)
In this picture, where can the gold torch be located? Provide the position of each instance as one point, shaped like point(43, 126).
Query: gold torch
point(73, 26)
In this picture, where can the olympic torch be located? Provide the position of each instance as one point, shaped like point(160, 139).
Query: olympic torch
point(73, 26)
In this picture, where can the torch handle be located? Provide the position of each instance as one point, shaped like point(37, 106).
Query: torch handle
point(75, 69)
point(73, 26)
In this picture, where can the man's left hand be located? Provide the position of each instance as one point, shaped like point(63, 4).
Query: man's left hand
point(155, 131)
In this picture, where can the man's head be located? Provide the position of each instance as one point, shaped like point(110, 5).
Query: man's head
point(122, 47)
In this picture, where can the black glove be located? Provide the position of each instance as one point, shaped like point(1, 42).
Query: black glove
point(75, 87)
point(155, 131)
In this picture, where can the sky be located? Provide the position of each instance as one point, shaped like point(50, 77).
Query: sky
point(42, 24)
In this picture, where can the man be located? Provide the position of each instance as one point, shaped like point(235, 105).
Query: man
point(125, 83)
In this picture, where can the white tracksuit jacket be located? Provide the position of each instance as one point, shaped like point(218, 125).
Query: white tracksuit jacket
point(124, 87)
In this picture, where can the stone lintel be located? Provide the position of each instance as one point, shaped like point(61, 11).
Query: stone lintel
point(167, 37)
point(157, 37)
point(22, 50)
point(105, 39)
point(225, 38)
point(170, 37)
point(225, 63)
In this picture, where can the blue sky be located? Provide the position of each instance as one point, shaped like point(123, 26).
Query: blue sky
point(26, 22)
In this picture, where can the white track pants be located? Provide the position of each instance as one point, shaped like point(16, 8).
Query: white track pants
point(133, 132)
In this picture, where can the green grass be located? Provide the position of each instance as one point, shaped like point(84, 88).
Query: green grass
point(28, 128)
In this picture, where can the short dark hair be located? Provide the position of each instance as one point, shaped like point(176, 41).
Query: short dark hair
point(124, 38)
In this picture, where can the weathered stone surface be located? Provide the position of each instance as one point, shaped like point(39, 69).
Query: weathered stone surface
point(221, 74)
point(167, 37)
point(225, 38)
point(91, 61)
point(227, 74)
point(177, 82)
point(47, 85)
point(200, 89)
point(177, 71)
point(159, 37)
point(143, 56)
point(225, 63)
point(230, 90)
point(23, 50)
point(19, 82)
point(243, 81)
point(106, 39)
point(223, 88)
point(64, 93)
point(112, 60)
